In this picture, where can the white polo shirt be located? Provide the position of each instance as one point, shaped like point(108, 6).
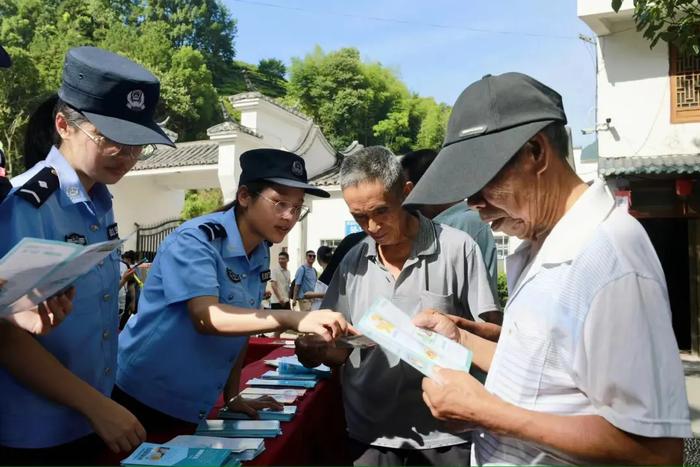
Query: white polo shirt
point(587, 330)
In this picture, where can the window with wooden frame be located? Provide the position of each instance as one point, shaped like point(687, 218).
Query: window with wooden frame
point(684, 72)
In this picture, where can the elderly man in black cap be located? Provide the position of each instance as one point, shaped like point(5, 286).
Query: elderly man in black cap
point(587, 367)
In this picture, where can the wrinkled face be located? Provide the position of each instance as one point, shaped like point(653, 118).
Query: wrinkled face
point(274, 212)
point(511, 201)
point(377, 211)
point(94, 155)
point(283, 260)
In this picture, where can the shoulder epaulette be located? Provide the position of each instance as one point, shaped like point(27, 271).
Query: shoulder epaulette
point(213, 230)
point(40, 187)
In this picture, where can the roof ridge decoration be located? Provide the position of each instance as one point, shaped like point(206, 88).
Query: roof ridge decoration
point(229, 126)
point(258, 95)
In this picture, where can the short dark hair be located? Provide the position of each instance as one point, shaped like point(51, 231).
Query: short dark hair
point(415, 163)
point(284, 253)
point(324, 253)
point(310, 251)
point(558, 137)
point(129, 255)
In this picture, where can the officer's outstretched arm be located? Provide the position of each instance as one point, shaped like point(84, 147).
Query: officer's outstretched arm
point(32, 365)
point(211, 317)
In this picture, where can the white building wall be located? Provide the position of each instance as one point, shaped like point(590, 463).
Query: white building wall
point(634, 92)
point(138, 200)
point(327, 220)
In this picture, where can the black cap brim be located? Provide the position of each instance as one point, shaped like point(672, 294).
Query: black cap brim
point(310, 189)
point(5, 60)
point(128, 132)
point(462, 169)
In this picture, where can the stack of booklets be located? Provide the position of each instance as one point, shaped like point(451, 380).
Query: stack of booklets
point(290, 383)
point(292, 365)
point(283, 415)
point(243, 449)
point(255, 392)
point(274, 374)
point(240, 428)
point(148, 454)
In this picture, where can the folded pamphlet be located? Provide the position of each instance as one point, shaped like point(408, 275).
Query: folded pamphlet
point(36, 269)
point(240, 428)
point(393, 330)
point(243, 449)
point(148, 454)
point(284, 415)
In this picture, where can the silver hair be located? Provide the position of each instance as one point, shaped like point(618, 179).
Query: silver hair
point(373, 163)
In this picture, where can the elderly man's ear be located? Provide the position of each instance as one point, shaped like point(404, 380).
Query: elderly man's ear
point(539, 152)
point(407, 188)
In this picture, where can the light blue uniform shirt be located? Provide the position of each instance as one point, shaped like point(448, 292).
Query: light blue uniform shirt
point(305, 278)
point(462, 217)
point(85, 342)
point(163, 361)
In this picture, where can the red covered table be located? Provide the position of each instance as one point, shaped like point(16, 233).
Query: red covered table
point(316, 435)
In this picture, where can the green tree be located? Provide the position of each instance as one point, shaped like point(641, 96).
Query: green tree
point(434, 125)
point(674, 21)
point(198, 202)
point(19, 87)
point(345, 96)
point(204, 25)
point(38, 34)
point(502, 285)
point(272, 67)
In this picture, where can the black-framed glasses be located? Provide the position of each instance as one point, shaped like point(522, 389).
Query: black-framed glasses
point(283, 207)
point(113, 149)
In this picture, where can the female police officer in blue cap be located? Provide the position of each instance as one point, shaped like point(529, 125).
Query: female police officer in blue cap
point(179, 352)
point(53, 397)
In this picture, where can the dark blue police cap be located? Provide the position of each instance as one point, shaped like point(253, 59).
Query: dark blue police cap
point(117, 95)
point(277, 166)
point(5, 60)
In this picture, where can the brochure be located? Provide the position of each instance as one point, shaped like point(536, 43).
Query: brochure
point(393, 330)
point(240, 428)
point(243, 449)
point(273, 374)
point(166, 455)
point(283, 415)
point(35, 269)
point(293, 383)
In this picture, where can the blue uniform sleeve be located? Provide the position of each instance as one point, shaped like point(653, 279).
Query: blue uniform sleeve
point(19, 219)
point(188, 266)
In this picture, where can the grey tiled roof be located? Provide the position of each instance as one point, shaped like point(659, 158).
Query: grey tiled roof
point(672, 164)
point(331, 177)
point(191, 153)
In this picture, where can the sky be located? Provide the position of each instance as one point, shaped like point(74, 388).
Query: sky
point(437, 47)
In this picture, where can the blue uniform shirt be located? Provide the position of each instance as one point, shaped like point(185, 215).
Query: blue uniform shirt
point(305, 278)
point(163, 361)
point(86, 342)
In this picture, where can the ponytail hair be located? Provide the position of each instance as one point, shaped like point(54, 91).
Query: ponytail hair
point(41, 133)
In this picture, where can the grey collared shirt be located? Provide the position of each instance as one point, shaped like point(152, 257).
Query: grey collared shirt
point(382, 395)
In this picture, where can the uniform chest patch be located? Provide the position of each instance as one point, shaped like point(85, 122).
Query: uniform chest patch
point(265, 276)
point(76, 238)
point(113, 232)
point(235, 278)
